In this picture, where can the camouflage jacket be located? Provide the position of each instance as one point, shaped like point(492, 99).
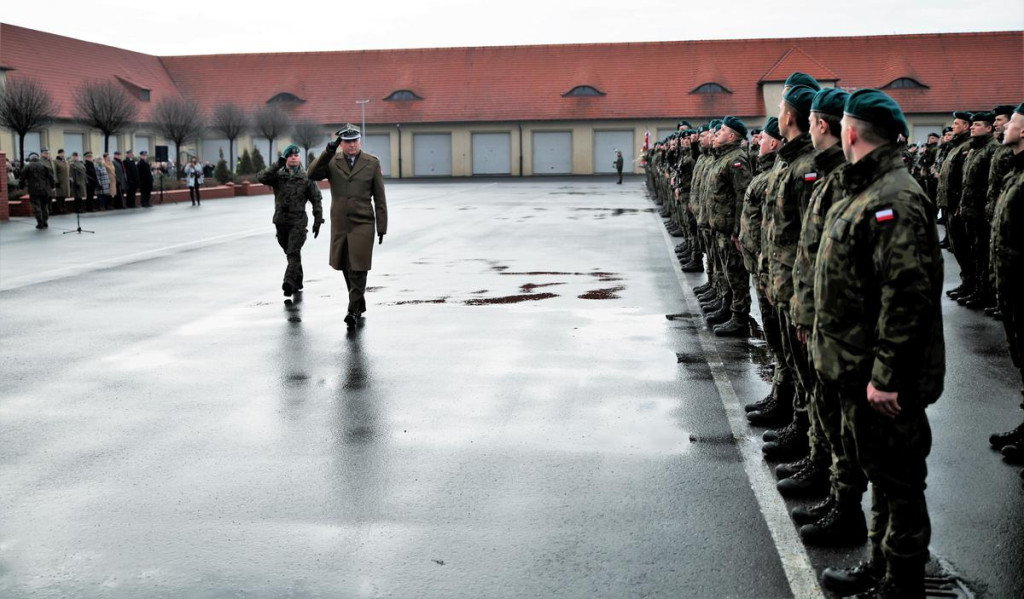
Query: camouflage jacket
point(975, 183)
point(827, 191)
point(700, 170)
point(727, 181)
point(291, 192)
point(1007, 243)
point(752, 213)
point(878, 315)
point(764, 258)
point(790, 202)
point(1001, 160)
point(926, 160)
point(38, 178)
point(684, 175)
point(951, 174)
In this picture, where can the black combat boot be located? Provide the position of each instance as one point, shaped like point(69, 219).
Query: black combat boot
point(719, 316)
point(287, 288)
point(978, 301)
point(850, 581)
point(1014, 454)
point(812, 513)
point(758, 405)
point(957, 291)
point(737, 326)
point(695, 265)
point(699, 289)
point(711, 307)
point(811, 481)
point(776, 413)
point(790, 468)
point(793, 445)
point(774, 433)
point(1014, 437)
point(841, 527)
point(708, 296)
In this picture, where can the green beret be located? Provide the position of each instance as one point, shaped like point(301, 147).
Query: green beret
point(715, 124)
point(987, 117)
point(798, 78)
point(702, 129)
point(1003, 110)
point(736, 125)
point(800, 98)
point(1019, 109)
point(962, 115)
point(291, 149)
point(946, 130)
point(830, 100)
point(875, 107)
point(683, 124)
point(771, 127)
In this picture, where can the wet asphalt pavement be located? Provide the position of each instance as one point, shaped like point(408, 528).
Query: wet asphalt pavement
point(516, 418)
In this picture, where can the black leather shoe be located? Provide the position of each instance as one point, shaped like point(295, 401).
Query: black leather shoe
point(812, 513)
point(1014, 437)
point(850, 581)
point(790, 468)
point(811, 481)
point(287, 288)
point(719, 316)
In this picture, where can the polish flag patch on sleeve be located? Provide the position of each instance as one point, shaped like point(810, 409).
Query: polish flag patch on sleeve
point(737, 165)
point(884, 215)
point(810, 177)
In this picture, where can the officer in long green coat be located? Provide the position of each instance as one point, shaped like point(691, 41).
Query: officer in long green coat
point(878, 340)
point(292, 189)
point(358, 210)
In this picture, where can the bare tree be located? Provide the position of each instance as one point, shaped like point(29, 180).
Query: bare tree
point(270, 122)
point(230, 121)
point(104, 105)
point(178, 120)
point(308, 134)
point(25, 105)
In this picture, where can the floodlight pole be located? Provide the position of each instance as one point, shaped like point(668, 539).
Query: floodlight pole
point(362, 104)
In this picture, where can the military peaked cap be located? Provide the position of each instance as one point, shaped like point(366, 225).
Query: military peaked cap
point(798, 78)
point(875, 107)
point(349, 133)
point(736, 125)
point(830, 100)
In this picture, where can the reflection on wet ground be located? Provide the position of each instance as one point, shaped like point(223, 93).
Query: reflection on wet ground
point(440, 300)
point(602, 294)
point(529, 287)
point(509, 299)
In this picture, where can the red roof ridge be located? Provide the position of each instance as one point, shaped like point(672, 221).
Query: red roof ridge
point(791, 62)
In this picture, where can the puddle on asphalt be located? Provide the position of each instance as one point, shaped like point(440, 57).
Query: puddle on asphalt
point(510, 299)
point(529, 287)
point(616, 211)
point(602, 294)
point(440, 300)
point(478, 292)
point(684, 358)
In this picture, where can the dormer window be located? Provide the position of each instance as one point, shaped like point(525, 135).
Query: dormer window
point(905, 83)
point(711, 88)
point(285, 98)
point(583, 91)
point(136, 90)
point(402, 95)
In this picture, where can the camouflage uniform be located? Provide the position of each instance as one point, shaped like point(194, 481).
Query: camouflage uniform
point(925, 162)
point(878, 318)
point(826, 418)
point(696, 202)
point(292, 189)
point(790, 202)
point(1008, 259)
point(684, 180)
point(971, 213)
point(726, 184)
point(951, 177)
point(1002, 160)
point(38, 178)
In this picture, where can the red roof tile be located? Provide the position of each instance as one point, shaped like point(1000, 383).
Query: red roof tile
point(526, 83)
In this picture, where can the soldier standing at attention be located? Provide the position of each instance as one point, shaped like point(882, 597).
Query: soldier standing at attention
point(356, 179)
point(971, 213)
point(291, 192)
point(39, 179)
point(62, 188)
point(951, 177)
point(618, 165)
point(997, 173)
point(878, 340)
point(1008, 264)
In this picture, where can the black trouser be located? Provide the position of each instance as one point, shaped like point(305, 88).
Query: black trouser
point(620, 176)
point(193, 193)
point(144, 192)
point(129, 196)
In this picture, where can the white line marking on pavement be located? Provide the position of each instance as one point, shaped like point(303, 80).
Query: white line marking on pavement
point(78, 269)
point(803, 580)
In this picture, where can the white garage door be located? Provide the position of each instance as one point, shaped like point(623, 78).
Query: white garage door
point(552, 152)
point(492, 153)
point(33, 143)
point(605, 144)
point(142, 143)
point(380, 146)
point(662, 134)
point(73, 142)
point(212, 149)
point(432, 154)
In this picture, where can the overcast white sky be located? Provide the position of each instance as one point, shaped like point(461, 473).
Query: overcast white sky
point(171, 28)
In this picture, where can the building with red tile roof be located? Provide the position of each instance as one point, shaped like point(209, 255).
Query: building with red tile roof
point(509, 97)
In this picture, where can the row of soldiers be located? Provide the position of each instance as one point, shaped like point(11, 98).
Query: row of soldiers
point(822, 213)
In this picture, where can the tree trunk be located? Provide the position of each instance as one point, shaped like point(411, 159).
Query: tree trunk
point(21, 148)
point(106, 143)
point(231, 156)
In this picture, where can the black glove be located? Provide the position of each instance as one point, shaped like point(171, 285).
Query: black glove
point(316, 227)
point(281, 161)
point(332, 146)
point(380, 239)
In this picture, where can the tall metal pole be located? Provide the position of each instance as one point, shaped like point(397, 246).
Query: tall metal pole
point(363, 104)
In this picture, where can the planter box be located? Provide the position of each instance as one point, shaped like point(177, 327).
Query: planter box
point(252, 189)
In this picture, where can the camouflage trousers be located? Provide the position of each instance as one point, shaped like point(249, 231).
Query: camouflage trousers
point(799, 360)
point(291, 238)
point(960, 242)
point(1010, 298)
point(848, 481)
point(734, 275)
point(892, 453)
point(782, 376)
point(979, 233)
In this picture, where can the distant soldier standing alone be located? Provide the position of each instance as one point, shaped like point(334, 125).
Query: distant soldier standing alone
point(291, 192)
point(356, 179)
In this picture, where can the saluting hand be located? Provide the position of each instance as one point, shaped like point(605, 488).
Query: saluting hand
point(885, 402)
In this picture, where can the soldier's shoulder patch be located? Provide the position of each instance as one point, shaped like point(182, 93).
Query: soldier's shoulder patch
point(737, 164)
point(885, 215)
point(810, 177)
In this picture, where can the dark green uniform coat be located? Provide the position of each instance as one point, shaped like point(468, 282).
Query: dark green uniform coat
point(354, 221)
